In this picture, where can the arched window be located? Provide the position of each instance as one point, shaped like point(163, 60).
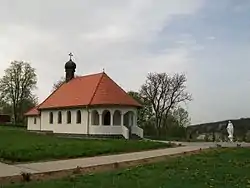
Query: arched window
point(129, 119)
point(51, 117)
point(95, 117)
point(117, 117)
point(106, 117)
point(68, 117)
point(78, 116)
point(59, 117)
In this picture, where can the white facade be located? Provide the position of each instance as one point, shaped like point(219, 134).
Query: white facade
point(88, 121)
point(34, 123)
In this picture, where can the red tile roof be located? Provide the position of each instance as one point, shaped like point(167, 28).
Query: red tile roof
point(33, 112)
point(95, 89)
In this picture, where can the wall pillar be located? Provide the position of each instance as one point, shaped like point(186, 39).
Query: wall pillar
point(135, 119)
point(122, 114)
point(130, 119)
point(111, 118)
point(100, 118)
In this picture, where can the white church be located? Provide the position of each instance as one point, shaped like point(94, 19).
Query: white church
point(87, 105)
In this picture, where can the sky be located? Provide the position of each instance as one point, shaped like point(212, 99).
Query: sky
point(208, 40)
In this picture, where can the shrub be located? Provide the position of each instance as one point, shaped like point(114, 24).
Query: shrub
point(26, 177)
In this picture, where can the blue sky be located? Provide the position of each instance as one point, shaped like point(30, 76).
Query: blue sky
point(224, 62)
point(208, 40)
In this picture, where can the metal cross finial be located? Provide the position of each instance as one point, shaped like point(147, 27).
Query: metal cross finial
point(103, 70)
point(70, 55)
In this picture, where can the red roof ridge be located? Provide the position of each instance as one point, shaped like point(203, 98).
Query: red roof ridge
point(117, 85)
point(120, 88)
point(88, 90)
point(97, 85)
point(124, 91)
point(78, 77)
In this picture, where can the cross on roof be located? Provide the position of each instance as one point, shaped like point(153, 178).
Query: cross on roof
point(70, 55)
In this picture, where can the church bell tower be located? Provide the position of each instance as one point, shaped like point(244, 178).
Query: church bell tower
point(70, 68)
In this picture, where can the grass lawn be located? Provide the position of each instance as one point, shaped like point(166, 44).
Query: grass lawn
point(224, 168)
point(18, 145)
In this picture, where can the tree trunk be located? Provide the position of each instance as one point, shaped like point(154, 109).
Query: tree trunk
point(14, 115)
point(157, 127)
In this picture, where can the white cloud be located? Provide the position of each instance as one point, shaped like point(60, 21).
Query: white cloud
point(211, 38)
point(113, 34)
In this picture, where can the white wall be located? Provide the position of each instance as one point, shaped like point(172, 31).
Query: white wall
point(125, 132)
point(64, 127)
point(137, 130)
point(31, 124)
point(45, 126)
point(105, 130)
point(82, 128)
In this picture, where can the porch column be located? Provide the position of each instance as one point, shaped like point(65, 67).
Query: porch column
point(111, 118)
point(122, 118)
point(100, 118)
point(135, 119)
point(130, 119)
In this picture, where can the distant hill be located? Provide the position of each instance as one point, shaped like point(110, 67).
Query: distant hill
point(241, 126)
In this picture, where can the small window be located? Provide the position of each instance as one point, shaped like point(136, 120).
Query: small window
point(59, 118)
point(51, 117)
point(34, 120)
point(68, 117)
point(78, 117)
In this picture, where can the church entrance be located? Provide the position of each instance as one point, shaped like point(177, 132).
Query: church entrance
point(106, 117)
point(129, 121)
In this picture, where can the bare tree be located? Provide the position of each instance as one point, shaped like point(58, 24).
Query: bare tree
point(144, 113)
point(60, 82)
point(165, 93)
point(16, 86)
point(57, 84)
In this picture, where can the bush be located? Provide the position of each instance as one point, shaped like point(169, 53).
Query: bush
point(26, 177)
point(247, 137)
point(14, 125)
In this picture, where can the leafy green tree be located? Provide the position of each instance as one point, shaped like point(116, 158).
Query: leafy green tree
point(181, 117)
point(16, 87)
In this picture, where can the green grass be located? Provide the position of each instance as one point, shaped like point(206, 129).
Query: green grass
point(18, 145)
point(224, 168)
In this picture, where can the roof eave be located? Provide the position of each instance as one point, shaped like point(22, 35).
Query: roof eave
point(28, 115)
point(60, 107)
point(90, 105)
